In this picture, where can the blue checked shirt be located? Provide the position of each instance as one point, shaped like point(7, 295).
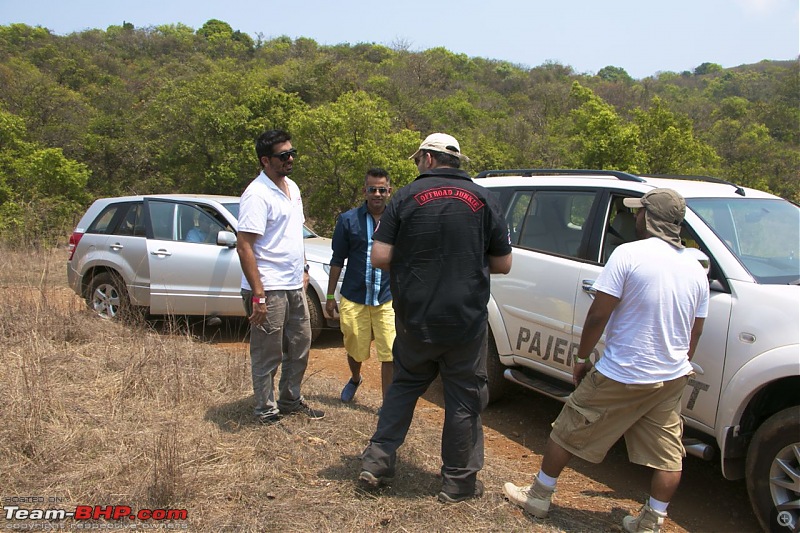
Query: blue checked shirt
point(352, 240)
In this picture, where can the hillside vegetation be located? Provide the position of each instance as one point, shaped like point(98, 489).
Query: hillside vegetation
point(173, 109)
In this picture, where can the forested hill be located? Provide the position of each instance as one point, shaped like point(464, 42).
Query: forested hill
point(173, 109)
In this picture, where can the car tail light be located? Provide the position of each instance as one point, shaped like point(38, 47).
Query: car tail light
point(74, 239)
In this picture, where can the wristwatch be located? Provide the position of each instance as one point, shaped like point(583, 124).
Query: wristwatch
point(306, 267)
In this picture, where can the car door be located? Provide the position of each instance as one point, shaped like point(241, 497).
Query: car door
point(187, 277)
point(548, 229)
point(116, 240)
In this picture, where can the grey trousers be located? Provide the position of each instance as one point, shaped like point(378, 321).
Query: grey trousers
point(284, 340)
point(463, 371)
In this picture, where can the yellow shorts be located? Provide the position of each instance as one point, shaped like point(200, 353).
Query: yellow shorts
point(360, 323)
point(602, 410)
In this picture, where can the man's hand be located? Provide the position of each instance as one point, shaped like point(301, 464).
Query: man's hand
point(259, 315)
point(579, 371)
point(331, 307)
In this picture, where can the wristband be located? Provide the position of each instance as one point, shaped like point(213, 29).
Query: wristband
point(582, 360)
point(330, 297)
point(259, 299)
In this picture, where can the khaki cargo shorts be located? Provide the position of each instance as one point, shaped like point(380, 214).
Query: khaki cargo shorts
point(602, 410)
point(360, 323)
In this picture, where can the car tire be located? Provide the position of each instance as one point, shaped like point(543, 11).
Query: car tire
point(107, 296)
point(315, 316)
point(498, 385)
point(772, 469)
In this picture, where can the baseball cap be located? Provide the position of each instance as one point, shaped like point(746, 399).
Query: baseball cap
point(441, 142)
point(664, 212)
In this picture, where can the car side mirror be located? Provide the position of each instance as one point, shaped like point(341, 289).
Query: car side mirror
point(226, 238)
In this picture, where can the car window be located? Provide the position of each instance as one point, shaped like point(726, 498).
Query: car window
point(196, 225)
point(122, 218)
point(162, 219)
point(517, 210)
point(104, 222)
point(554, 221)
point(620, 226)
point(132, 223)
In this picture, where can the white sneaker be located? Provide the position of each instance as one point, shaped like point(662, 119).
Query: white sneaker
point(535, 498)
point(648, 521)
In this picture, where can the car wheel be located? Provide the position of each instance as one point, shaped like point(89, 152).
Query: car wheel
point(498, 385)
point(314, 314)
point(107, 296)
point(773, 471)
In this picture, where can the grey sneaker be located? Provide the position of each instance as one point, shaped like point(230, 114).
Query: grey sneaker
point(268, 420)
point(455, 498)
point(535, 498)
point(305, 409)
point(648, 521)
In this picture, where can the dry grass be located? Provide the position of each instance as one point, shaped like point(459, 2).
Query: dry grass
point(101, 413)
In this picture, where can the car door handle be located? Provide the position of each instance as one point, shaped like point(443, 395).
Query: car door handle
point(588, 287)
point(161, 253)
point(116, 247)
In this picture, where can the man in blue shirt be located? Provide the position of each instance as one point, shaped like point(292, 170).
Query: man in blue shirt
point(365, 309)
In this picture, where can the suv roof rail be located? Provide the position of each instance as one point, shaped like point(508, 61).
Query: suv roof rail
point(738, 189)
point(624, 176)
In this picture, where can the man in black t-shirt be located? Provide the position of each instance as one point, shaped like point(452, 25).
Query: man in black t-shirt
point(440, 238)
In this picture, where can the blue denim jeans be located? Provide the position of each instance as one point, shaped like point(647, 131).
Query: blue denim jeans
point(284, 339)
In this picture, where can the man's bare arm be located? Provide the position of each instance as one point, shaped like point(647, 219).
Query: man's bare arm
point(499, 264)
point(245, 243)
point(593, 327)
point(697, 330)
point(381, 256)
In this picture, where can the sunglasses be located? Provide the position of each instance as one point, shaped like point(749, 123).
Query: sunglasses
point(379, 190)
point(285, 155)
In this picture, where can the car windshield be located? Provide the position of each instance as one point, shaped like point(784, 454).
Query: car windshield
point(763, 233)
point(233, 207)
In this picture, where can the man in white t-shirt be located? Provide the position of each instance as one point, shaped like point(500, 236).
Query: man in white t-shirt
point(274, 279)
point(652, 300)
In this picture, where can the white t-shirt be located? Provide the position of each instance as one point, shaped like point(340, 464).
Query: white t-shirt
point(266, 211)
point(661, 290)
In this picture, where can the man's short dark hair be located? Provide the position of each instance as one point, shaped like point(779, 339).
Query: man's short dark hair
point(267, 140)
point(377, 172)
point(445, 160)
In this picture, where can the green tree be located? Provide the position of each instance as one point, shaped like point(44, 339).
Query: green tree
point(40, 189)
point(707, 68)
point(600, 137)
point(668, 144)
point(337, 143)
point(615, 74)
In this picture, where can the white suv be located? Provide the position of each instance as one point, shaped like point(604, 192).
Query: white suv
point(745, 399)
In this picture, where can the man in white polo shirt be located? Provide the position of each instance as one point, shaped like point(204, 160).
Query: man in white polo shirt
point(274, 279)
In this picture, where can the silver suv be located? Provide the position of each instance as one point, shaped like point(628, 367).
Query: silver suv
point(173, 255)
point(744, 403)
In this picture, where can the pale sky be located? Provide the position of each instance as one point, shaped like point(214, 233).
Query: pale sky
point(641, 36)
